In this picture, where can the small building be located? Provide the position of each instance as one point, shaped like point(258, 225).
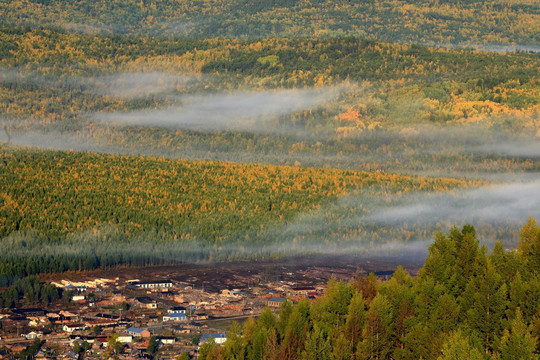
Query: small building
point(166, 340)
point(182, 331)
point(33, 335)
point(134, 331)
point(79, 288)
point(53, 317)
point(73, 327)
point(102, 323)
point(70, 355)
point(200, 316)
point(66, 315)
point(154, 284)
point(125, 338)
point(147, 302)
point(275, 301)
point(218, 338)
point(302, 290)
point(175, 317)
point(177, 310)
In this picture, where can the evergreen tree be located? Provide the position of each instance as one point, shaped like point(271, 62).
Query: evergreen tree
point(469, 259)
point(152, 345)
point(233, 348)
point(342, 349)
point(356, 319)
point(529, 244)
point(366, 285)
point(518, 343)
point(296, 332)
point(439, 264)
point(378, 331)
point(317, 345)
point(331, 310)
point(484, 303)
point(458, 347)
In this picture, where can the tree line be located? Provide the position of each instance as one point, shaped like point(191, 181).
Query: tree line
point(405, 21)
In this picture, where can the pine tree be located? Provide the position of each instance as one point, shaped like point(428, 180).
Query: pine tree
point(317, 345)
point(377, 334)
point(529, 245)
point(342, 349)
point(440, 261)
point(458, 347)
point(518, 343)
point(356, 319)
point(485, 303)
point(233, 349)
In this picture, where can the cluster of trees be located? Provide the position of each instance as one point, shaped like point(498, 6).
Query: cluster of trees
point(92, 210)
point(31, 290)
point(465, 304)
point(443, 22)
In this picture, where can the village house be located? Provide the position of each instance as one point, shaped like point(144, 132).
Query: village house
point(200, 316)
point(38, 321)
point(53, 317)
point(181, 330)
point(125, 338)
point(146, 302)
point(177, 310)
point(303, 291)
point(100, 322)
point(69, 328)
point(78, 298)
point(138, 332)
point(33, 335)
point(275, 301)
point(79, 288)
point(105, 316)
point(218, 338)
point(166, 340)
point(154, 284)
point(68, 316)
point(175, 317)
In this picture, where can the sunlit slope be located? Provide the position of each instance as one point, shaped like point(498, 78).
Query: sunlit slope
point(59, 79)
point(345, 102)
point(74, 210)
point(441, 22)
point(58, 193)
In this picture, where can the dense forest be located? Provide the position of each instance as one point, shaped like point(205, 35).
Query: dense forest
point(465, 304)
point(441, 22)
point(74, 211)
point(349, 103)
point(359, 120)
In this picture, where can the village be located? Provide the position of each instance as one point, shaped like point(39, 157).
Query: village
point(152, 318)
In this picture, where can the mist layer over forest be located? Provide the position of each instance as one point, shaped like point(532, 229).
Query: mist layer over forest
point(372, 142)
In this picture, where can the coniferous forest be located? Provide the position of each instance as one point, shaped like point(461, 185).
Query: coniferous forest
point(152, 132)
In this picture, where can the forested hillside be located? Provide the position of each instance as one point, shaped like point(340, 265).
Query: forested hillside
point(71, 210)
point(344, 102)
point(466, 304)
point(425, 137)
point(406, 21)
